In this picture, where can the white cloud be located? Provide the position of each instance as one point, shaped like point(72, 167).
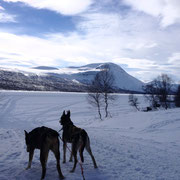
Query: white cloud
point(144, 64)
point(114, 33)
point(167, 10)
point(29, 50)
point(65, 7)
point(1, 8)
point(4, 17)
point(175, 59)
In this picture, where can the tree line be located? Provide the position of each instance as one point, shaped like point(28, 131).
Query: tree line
point(159, 93)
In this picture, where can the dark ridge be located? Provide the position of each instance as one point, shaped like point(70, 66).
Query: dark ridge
point(45, 68)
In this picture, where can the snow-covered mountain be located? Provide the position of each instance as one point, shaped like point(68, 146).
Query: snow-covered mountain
point(50, 78)
point(122, 79)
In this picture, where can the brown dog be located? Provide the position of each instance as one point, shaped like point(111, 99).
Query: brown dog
point(78, 137)
point(45, 139)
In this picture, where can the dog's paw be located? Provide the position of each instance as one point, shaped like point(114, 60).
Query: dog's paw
point(27, 168)
point(61, 177)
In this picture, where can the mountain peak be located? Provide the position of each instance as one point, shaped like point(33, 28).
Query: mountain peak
point(110, 66)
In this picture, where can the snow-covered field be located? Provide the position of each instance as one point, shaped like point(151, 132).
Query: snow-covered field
point(128, 146)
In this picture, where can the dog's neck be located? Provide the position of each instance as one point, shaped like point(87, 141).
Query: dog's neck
point(67, 125)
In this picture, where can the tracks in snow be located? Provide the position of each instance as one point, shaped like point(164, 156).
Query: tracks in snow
point(12, 158)
point(123, 158)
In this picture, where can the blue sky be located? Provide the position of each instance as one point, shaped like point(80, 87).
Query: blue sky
point(141, 36)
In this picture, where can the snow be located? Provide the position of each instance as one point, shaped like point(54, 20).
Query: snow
point(130, 145)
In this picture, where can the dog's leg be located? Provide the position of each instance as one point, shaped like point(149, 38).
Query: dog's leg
point(56, 152)
point(88, 148)
point(74, 152)
point(81, 153)
point(70, 160)
point(64, 152)
point(75, 160)
point(31, 153)
point(43, 158)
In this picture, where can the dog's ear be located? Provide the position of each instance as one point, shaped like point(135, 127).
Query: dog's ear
point(64, 113)
point(26, 134)
point(69, 113)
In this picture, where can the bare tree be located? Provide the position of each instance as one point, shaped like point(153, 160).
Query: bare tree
point(106, 80)
point(177, 97)
point(163, 85)
point(157, 92)
point(94, 96)
point(133, 101)
point(151, 95)
point(100, 89)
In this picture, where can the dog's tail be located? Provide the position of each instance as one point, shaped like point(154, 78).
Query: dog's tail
point(85, 138)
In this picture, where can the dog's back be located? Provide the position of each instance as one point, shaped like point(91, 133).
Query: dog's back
point(39, 135)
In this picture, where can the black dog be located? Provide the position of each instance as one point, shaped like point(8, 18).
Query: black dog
point(78, 137)
point(45, 139)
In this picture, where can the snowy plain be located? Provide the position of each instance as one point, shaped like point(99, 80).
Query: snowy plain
point(129, 145)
